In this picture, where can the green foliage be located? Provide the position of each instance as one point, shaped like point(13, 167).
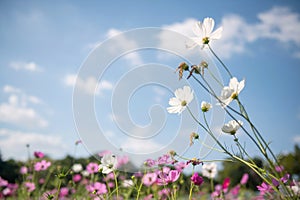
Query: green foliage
point(291, 162)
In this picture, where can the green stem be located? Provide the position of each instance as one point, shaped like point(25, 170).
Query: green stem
point(227, 70)
point(58, 189)
point(116, 183)
point(212, 184)
point(139, 191)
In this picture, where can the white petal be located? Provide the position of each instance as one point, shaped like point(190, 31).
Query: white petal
point(208, 24)
point(174, 109)
point(197, 29)
point(233, 83)
point(241, 86)
point(217, 34)
point(174, 102)
point(106, 170)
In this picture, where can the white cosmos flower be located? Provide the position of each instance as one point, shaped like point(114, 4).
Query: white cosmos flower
point(204, 32)
point(77, 167)
point(209, 170)
point(205, 106)
point(232, 91)
point(183, 96)
point(232, 126)
point(108, 163)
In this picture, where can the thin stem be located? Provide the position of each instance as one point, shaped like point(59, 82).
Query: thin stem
point(215, 78)
point(227, 70)
point(212, 184)
point(116, 183)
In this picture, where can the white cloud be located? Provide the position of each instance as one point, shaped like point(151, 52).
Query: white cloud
point(278, 23)
point(296, 139)
point(13, 144)
point(90, 85)
point(27, 66)
point(174, 41)
point(17, 111)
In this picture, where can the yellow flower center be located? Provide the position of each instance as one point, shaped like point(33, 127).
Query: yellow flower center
point(205, 40)
point(183, 103)
point(234, 95)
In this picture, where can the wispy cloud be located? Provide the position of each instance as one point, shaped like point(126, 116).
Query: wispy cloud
point(278, 23)
point(13, 144)
point(90, 85)
point(27, 66)
point(18, 109)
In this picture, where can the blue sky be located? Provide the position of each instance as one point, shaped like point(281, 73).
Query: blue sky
point(44, 45)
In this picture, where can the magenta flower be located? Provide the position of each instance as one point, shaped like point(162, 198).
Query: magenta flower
point(196, 179)
point(39, 154)
point(42, 165)
point(92, 168)
point(149, 178)
point(97, 188)
point(29, 186)
point(244, 179)
point(77, 178)
point(23, 170)
point(226, 184)
point(264, 188)
point(285, 178)
point(165, 178)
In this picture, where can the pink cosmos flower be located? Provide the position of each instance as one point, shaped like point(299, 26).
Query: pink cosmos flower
point(97, 188)
point(77, 178)
point(39, 154)
point(150, 162)
point(64, 191)
point(196, 179)
point(42, 165)
point(149, 197)
point(101, 154)
point(110, 184)
point(92, 168)
point(279, 168)
point(235, 191)
point(149, 178)
point(122, 160)
point(164, 193)
point(164, 160)
point(29, 186)
point(180, 166)
point(23, 170)
point(7, 192)
point(41, 181)
point(244, 179)
point(165, 178)
point(264, 188)
point(3, 182)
